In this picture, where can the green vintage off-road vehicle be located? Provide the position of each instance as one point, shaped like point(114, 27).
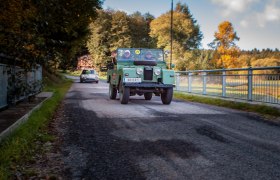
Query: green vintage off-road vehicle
point(142, 72)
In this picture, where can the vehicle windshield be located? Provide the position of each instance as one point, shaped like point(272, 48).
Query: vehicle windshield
point(88, 72)
point(134, 54)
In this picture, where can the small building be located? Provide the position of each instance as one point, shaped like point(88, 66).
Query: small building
point(85, 62)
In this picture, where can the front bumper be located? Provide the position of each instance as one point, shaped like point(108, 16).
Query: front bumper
point(148, 85)
point(89, 80)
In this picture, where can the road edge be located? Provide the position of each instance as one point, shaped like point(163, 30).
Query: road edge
point(4, 134)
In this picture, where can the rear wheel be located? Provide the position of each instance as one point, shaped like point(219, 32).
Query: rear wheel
point(112, 91)
point(167, 95)
point(124, 95)
point(148, 96)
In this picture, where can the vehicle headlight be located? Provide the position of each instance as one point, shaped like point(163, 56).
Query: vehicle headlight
point(139, 71)
point(157, 72)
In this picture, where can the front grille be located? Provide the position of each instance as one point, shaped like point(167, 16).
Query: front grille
point(148, 73)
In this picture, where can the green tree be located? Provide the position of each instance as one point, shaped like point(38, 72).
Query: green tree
point(186, 31)
point(195, 37)
point(139, 28)
point(114, 29)
point(99, 42)
point(120, 31)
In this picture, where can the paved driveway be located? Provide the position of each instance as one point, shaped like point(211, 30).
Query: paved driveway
point(103, 139)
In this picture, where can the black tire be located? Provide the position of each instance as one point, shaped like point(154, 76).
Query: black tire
point(124, 95)
point(96, 82)
point(166, 96)
point(148, 96)
point(112, 91)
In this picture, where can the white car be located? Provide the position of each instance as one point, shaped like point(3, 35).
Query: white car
point(89, 75)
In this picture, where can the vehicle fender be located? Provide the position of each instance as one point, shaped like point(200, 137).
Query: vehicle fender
point(113, 77)
point(168, 76)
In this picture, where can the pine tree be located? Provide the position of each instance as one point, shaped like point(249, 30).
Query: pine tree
point(194, 41)
point(140, 27)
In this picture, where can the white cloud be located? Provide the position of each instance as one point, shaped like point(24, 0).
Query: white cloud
point(268, 11)
point(271, 13)
point(244, 23)
point(233, 6)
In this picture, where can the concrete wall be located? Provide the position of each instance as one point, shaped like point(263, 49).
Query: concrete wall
point(16, 84)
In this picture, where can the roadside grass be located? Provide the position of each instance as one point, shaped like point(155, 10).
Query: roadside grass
point(261, 109)
point(21, 146)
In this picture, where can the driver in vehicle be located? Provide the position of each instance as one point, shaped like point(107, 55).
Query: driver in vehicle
point(113, 56)
point(126, 54)
point(149, 56)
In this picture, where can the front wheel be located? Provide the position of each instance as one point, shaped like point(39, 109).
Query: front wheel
point(166, 96)
point(124, 95)
point(148, 96)
point(112, 91)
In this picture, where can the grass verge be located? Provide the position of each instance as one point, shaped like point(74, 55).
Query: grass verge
point(20, 146)
point(261, 109)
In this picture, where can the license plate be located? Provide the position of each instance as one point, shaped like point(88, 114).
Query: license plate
point(132, 80)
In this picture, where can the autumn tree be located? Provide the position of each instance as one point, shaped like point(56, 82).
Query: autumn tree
point(17, 33)
point(186, 31)
point(224, 43)
point(45, 30)
point(186, 34)
point(114, 29)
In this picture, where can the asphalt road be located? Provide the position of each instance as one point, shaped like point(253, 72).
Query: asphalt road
point(103, 139)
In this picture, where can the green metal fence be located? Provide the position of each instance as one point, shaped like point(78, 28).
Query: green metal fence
point(253, 84)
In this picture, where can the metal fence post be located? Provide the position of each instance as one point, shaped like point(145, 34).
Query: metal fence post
point(177, 80)
point(190, 82)
point(3, 85)
point(224, 84)
point(250, 84)
point(204, 80)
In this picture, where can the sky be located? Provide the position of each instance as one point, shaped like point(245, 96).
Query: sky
point(257, 22)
